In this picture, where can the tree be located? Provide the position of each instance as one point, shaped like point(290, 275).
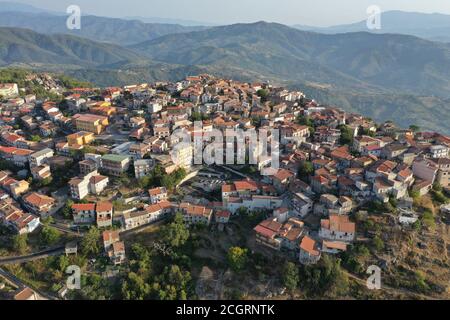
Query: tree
point(290, 276)
point(377, 243)
point(237, 258)
point(90, 242)
point(326, 277)
point(306, 170)
point(19, 243)
point(140, 259)
point(173, 284)
point(346, 135)
point(414, 128)
point(49, 236)
point(134, 287)
point(263, 94)
point(176, 233)
point(67, 209)
point(428, 219)
point(35, 138)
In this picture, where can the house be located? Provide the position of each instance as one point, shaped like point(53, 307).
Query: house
point(41, 172)
point(253, 203)
point(302, 205)
point(138, 150)
point(115, 164)
point(26, 294)
point(282, 179)
point(425, 169)
point(38, 203)
point(104, 211)
point(80, 138)
point(19, 221)
point(84, 213)
point(281, 214)
point(439, 151)
point(9, 90)
point(142, 167)
point(337, 228)
point(90, 122)
point(39, 158)
point(114, 248)
point(87, 166)
point(17, 188)
point(223, 216)
point(193, 214)
point(267, 234)
point(152, 213)
point(97, 184)
point(309, 251)
point(157, 195)
point(80, 187)
point(443, 174)
point(333, 247)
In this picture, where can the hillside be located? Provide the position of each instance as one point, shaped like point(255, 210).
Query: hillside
point(433, 26)
point(110, 30)
point(351, 61)
point(26, 46)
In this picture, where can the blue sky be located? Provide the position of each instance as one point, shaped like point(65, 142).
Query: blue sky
point(311, 12)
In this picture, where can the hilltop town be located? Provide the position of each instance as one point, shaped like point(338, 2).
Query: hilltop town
point(88, 178)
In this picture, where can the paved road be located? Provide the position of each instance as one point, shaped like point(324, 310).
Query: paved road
point(31, 257)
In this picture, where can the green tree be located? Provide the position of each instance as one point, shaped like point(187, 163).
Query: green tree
point(173, 284)
point(35, 138)
point(306, 170)
point(176, 233)
point(49, 236)
point(141, 260)
point(346, 135)
point(67, 209)
point(263, 94)
point(428, 219)
point(377, 243)
point(414, 128)
point(290, 276)
point(20, 243)
point(237, 258)
point(134, 287)
point(90, 242)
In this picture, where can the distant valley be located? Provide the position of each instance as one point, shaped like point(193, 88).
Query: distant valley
point(385, 76)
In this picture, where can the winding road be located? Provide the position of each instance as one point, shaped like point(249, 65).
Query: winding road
point(31, 257)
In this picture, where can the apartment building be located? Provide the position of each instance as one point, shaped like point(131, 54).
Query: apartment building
point(142, 167)
point(39, 158)
point(90, 123)
point(114, 164)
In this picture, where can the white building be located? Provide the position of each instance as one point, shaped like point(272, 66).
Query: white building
point(337, 228)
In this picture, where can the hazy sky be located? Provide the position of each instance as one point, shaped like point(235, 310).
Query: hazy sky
point(306, 12)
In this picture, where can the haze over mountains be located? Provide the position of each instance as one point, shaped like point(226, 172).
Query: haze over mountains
point(386, 76)
point(433, 26)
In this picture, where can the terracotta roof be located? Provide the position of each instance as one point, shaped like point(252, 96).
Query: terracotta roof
point(83, 206)
point(309, 245)
point(25, 294)
point(104, 206)
point(38, 200)
point(111, 236)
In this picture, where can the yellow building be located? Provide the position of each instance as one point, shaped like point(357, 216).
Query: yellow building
point(90, 122)
point(80, 138)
